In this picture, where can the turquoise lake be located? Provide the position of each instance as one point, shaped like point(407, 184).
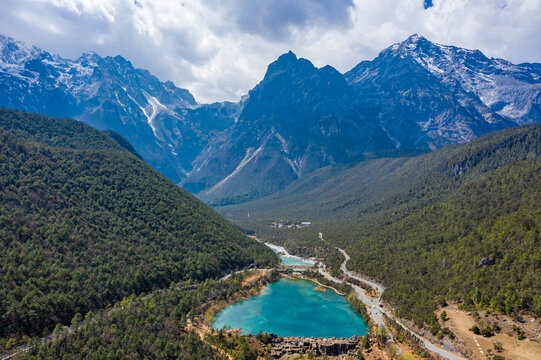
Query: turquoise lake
point(293, 308)
point(290, 261)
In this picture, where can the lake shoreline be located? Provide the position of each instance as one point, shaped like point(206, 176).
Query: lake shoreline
point(250, 290)
point(282, 250)
point(304, 277)
point(293, 307)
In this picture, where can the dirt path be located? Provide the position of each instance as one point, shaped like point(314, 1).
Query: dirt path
point(253, 277)
point(460, 322)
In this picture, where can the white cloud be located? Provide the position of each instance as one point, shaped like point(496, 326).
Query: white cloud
point(219, 50)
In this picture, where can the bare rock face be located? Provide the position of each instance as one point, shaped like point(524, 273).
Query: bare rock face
point(297, 119)
point(163, 122)
point(280, 346)
point(415, 95)
point(430, 95)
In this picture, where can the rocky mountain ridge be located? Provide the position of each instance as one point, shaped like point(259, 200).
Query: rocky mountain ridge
point(414, 96)
point(163, 122)
point(297, 119)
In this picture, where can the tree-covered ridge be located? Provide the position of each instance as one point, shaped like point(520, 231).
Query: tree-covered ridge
point(64, 133)
point(354, 199)
point(152, 326)
point(81, 228)
point(438, 251)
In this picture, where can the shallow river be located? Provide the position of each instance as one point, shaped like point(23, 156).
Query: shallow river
point(287, 260)
point(292, 261)
point(293, 308)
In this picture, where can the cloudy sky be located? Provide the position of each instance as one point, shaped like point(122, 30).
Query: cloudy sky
point(220, 49)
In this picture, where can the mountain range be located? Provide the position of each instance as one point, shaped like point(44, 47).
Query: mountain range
point(163, 122)
point(415, 96)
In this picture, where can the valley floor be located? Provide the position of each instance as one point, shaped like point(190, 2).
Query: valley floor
point(374, 310)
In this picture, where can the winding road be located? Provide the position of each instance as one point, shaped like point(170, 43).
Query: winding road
point(372, 305)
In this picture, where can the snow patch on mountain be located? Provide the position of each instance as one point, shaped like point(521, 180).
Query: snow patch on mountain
point(283, 142)
point(153, 108)
point(105, 92)
point(294, 166)
point(16, 52)
point(249, 156)
point(510, 90)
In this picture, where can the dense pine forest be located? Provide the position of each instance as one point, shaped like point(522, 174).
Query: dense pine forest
point(482, 246)
point(85, 222)
point(155, 326)
point(423, 224)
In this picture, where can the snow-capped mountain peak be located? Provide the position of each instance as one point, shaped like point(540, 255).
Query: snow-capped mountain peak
point(15, 52)
point(415, 94)
point(105, 92)
point(509, 90)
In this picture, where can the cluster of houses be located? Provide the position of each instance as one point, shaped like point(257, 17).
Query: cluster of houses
point(287, 224)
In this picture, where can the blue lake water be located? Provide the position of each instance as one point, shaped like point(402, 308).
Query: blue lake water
point(290, 307)
point(291, 261)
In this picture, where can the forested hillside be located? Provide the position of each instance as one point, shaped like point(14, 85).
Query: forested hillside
point(152, 326)
point(85, 222)
point(482, 245)
point(423, 223)
point(365, 194)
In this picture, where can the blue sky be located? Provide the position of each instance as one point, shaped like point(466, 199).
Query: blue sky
point(220, 49)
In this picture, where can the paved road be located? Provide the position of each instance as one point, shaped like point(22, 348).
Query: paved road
point(371, 304)
point(375, 310)
point(49, 338)
point(223, 278)
point(434, 348)
point(362, 279)
point(26, 348)
point(21, 350)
